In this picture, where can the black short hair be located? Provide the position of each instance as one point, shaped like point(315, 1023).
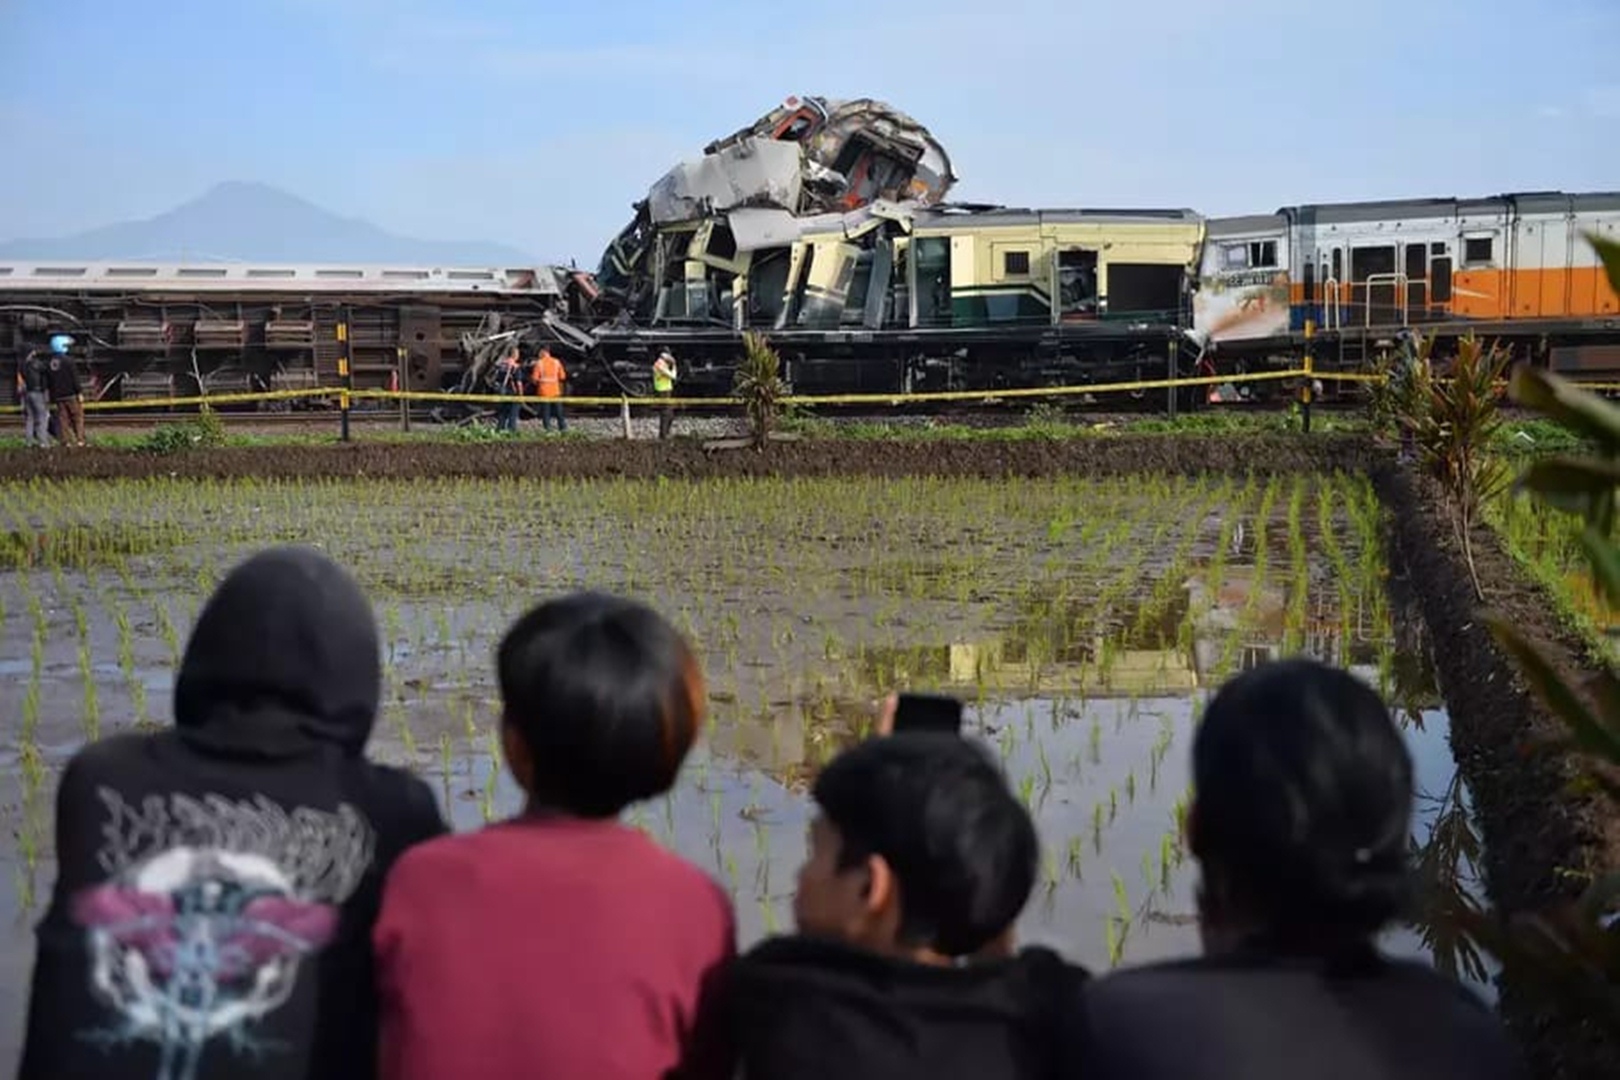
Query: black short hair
point(1304, 798)
point(606, 695)
point(939, 811)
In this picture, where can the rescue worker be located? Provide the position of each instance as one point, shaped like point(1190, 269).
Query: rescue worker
point(66, 393)
point(31, 386)
point(508, 382)
point(664, 376)
point(548, 375)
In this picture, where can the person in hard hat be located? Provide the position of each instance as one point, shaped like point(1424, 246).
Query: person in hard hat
point(664, 376)
point(66, 393)
point(548, 375)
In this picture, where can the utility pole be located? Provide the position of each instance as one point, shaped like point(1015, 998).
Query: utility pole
point(1310, 377)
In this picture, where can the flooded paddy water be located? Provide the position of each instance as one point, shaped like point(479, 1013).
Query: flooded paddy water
point(1085, 622)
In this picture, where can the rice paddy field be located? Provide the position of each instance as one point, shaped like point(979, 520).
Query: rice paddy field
point(1085, 622)
point(1546, 543)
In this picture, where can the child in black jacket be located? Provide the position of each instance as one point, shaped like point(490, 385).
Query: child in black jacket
point(921, 859)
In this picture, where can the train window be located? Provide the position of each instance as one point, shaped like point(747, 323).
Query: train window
point(1437, 248)
point(1015, 262)
point(1262, 254)
point(722, 245)
point(1338, 264)
point(1235, 257)
point(1368, 261)
point(1478, 249)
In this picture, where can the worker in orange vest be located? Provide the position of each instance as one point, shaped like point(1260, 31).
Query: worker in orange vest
point(548, 375)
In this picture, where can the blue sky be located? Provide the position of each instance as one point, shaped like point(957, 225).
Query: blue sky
point(539, 123)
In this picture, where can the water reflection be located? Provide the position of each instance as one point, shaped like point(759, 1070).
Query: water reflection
point(1198, 637)
point(1095, 729)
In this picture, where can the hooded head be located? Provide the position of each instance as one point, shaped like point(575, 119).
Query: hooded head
point(284, 656)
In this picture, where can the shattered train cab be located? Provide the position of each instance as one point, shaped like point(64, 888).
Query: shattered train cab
point(825, 224)
point(708, 221)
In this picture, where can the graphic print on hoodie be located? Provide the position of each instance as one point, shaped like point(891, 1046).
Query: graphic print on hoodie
point(217, 881)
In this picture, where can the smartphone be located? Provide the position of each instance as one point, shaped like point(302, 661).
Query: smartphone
point(928, 712)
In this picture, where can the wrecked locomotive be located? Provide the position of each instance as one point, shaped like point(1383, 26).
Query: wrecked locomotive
point(827, 224)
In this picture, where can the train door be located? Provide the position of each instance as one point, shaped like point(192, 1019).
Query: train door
point(799, 264)
point(827, 285)
point(1074, 284)
point(1334, 294)
point(1440, 278)
point(1417, 281)
point(1373, 282)
point(931, 281)
point(1479, 284)
point(900, 306)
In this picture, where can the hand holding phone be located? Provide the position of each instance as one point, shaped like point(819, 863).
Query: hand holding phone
point(927, 712)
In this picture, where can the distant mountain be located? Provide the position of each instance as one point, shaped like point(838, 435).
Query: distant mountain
point(239, 221)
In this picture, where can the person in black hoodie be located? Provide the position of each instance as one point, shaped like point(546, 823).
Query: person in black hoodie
point(217, 881)
point(920, 861)
point(66, 393)
point(1300, 822)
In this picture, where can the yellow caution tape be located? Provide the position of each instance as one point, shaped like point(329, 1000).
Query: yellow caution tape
point(199, 399)
point(342, 397)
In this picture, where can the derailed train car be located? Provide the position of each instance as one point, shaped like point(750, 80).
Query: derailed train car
point(150, 331)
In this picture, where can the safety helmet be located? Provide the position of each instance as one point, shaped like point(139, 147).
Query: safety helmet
point(60, 343)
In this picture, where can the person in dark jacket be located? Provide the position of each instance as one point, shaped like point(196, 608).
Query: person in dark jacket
point(67, 395)
point(36, 410)
point(920, 861)
point(217, 881)
point(1300, 821)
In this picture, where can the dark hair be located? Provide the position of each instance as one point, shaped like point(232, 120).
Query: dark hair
point(1304, 799)
point(606, 695)
point(938, 809)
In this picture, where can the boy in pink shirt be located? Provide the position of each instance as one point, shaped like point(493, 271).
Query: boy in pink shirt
point(562, 944)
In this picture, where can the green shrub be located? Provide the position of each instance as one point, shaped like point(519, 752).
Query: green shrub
point(758, 383)
point(1573, 951)
point(204, 431)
